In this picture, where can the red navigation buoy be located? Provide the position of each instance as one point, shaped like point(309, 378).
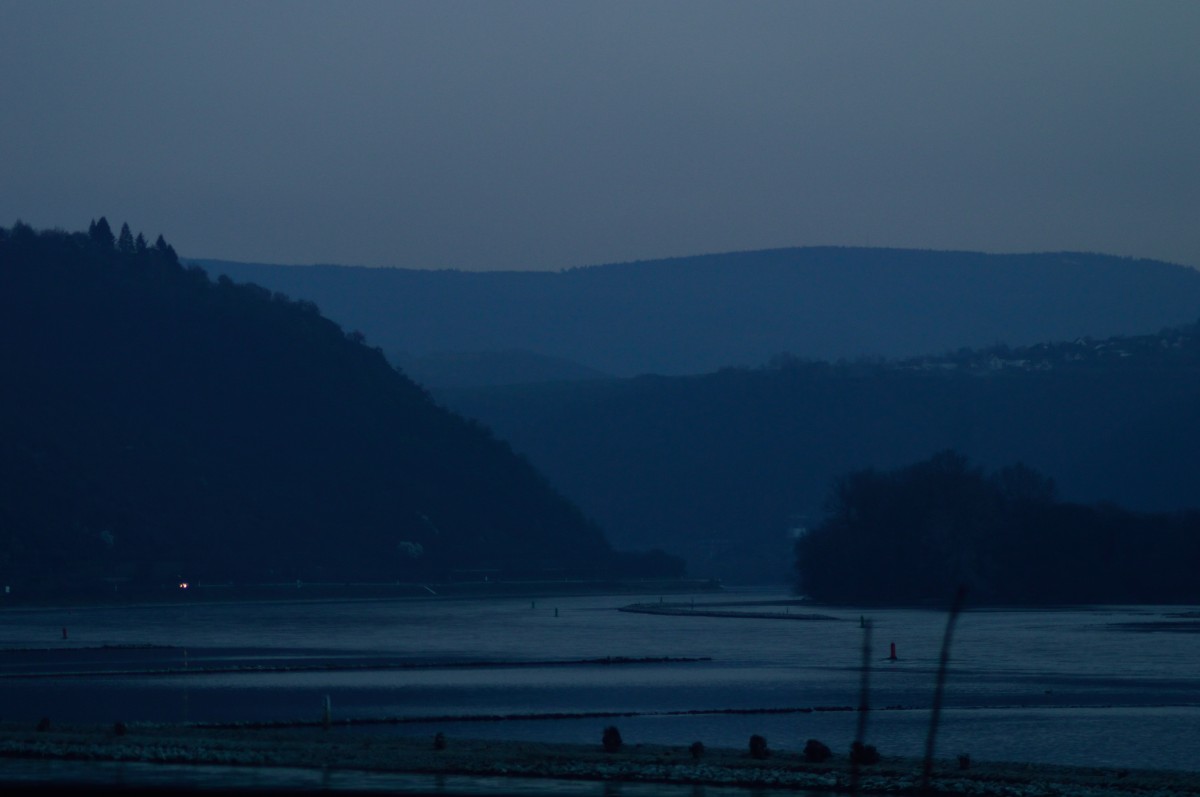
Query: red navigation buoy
point(893, 656)
point(64, 632)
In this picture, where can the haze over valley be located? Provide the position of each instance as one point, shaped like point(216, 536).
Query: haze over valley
point(569, 223)
point(756, 395)
point(724, 468)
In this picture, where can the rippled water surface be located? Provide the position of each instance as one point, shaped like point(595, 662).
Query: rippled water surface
point(1111, 686)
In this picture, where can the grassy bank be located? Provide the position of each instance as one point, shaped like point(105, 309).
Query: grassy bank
point(315, 748)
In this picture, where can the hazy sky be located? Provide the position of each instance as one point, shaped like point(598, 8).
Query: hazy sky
point(541, 135)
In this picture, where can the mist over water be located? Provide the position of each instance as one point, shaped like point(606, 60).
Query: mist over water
point(1108, 686)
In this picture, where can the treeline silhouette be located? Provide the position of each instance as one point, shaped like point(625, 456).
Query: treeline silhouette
point(917, 533)
point(157, 425)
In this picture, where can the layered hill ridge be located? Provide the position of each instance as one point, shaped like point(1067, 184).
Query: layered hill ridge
point(875, 358)
point(697, 314)
point(157, 425)
point(725, 468)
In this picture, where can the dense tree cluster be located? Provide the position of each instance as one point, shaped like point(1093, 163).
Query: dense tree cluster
point(158, 425)
point(916, 533)
point(101, 236)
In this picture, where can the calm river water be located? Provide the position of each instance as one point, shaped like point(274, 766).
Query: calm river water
point(1111, 686)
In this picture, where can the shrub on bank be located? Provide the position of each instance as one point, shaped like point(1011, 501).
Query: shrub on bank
point(863, 754)
point(817, 752)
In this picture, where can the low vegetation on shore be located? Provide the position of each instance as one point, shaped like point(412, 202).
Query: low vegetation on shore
point(628, 761)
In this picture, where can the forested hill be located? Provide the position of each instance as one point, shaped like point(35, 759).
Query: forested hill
point(723, 467)
point(697, 314)
point(156, 425)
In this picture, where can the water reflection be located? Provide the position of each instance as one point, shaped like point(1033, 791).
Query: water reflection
point(1045, 686)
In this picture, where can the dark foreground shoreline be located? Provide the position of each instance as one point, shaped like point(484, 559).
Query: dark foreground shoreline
point(294, 592)
point(310, 748)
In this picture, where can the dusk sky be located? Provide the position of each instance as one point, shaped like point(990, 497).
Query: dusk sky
point(545, 135)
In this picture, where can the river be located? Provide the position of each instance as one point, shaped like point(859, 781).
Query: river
point(1113, 686)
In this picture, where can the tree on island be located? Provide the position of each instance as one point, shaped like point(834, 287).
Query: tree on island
point(914, 534)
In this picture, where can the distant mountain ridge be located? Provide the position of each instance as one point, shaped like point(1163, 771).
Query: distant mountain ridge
point(697, 314)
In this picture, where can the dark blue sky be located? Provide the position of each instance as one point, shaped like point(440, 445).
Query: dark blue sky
point(553, 134)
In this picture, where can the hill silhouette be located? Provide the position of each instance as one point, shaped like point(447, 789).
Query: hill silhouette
point(725, 468)
point(470, 369)
point(159, 426)
point(697, 314)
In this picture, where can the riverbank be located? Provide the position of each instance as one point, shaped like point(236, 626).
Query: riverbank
point(301, 591)
point(342, 750)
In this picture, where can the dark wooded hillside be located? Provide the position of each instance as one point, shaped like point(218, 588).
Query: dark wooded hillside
point(156, 425)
